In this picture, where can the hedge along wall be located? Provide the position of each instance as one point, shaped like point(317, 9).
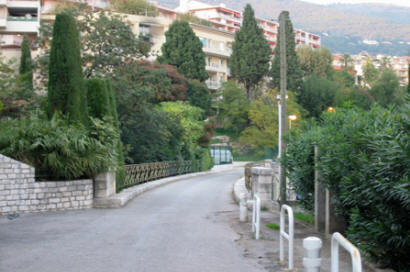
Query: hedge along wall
point(20, 193)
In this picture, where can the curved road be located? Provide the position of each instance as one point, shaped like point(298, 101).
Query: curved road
point(179, 227)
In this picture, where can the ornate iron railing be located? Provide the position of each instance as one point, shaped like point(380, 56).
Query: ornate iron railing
point(144, 172)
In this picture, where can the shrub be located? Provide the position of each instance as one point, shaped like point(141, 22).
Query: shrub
point(300, 165)
point(363, 161)
point(58, 148)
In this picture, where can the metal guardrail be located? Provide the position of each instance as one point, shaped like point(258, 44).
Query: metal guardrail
point(140, 173)
point(288, 236)
point(338, 239)
point(256, 215)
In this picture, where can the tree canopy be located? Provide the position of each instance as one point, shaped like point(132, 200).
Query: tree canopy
point(249, 61)
point(183, 49)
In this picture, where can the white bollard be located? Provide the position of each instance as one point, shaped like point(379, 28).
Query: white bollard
point(243, 209)
point(312, 260)
point(256, 215)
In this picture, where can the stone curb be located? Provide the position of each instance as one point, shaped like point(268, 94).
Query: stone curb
point(121, 199)
point(239, 188)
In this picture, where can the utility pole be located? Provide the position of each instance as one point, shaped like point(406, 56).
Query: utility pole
point(283, 81)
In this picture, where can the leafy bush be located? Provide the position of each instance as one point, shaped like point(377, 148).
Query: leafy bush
point(57, 148)
point(364, 159)
point(300, 165)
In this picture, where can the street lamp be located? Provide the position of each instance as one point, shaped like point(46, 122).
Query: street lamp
point(331, 109)
point(291, 118)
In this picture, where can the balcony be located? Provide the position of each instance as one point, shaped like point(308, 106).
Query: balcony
point(23, 4)
point(226, 52)
point(3, 23)
point(214, 85)
point(3, 3)
point(22, 25)
point(11, 40)
point(230, 18)
point(213, 67)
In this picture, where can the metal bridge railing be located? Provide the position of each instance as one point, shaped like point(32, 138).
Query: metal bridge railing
point(140, 173)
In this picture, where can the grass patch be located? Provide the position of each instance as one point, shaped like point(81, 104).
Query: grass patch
point(305, 217)
point(264, 209)
point(273, 226)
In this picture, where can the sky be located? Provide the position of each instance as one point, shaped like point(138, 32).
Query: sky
point(405, 3)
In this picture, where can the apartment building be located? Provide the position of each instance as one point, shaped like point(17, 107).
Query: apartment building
point(18, 18)
point(398, 64)
point(230, 20)
point(216, 43)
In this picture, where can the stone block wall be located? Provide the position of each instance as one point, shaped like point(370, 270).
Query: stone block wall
point(20, 193)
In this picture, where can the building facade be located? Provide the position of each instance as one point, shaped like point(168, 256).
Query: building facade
point(18, 18)
point(230, 20)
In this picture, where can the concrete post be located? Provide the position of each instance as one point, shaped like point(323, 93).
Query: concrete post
point(104, 184)
point(262, 181)
point(312, 260)
point(243, 209)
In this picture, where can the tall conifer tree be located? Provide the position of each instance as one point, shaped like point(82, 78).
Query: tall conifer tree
point(66, 89)
point(249, 61)
point(26, 67)
point(183, 49)
point(294, 72)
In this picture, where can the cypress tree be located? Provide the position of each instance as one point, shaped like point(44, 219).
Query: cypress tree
point(294, 72)
point(97, 98)
point(66, 90)
point(120, 173)
point(26, 67)
point(112, 102)
point(183, 49)
point(249, 61)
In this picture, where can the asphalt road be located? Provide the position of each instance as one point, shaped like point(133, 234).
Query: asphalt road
point(177, 227)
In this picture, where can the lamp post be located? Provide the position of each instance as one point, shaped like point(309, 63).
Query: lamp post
point(280, 124)
point(291, 118)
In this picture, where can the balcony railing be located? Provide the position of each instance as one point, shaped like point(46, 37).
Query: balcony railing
point(231, 18)
point(213, 84)
point(218, 51)
point(21, 19)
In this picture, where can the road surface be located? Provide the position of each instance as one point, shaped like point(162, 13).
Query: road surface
point(177, 227)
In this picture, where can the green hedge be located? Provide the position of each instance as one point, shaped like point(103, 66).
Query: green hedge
point(364, 161)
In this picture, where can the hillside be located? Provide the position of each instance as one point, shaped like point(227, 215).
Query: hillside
point(343, 27)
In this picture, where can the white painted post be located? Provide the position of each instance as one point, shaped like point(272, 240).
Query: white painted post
point(312, 260)
point(338, 239)
point(256, 215)
point(243, 209)
point(288, 236)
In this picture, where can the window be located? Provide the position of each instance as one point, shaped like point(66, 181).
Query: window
point(144, 29)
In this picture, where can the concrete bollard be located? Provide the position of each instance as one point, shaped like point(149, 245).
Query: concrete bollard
point(312, 260)
point(243, 209)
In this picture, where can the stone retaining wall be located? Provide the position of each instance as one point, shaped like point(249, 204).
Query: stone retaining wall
point(20, 193)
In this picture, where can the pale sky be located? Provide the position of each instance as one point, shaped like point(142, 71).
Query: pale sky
point(392, 2)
